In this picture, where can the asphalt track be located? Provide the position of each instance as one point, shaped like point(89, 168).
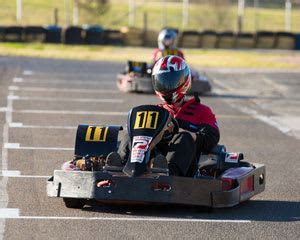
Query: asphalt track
point(42, 102)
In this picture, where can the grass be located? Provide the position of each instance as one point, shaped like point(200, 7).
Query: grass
point(202, 16)
point(196, 57)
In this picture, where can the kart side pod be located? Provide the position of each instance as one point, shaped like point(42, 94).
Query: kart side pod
point(96, 140)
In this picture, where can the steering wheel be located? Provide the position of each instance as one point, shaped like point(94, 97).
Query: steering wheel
point(176, 125)
point(171, 130)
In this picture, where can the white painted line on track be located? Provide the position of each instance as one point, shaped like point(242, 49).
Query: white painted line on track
point(10, 173)
point(72, 82)
point(17, 80)
point(4, 165)
point(263, 118)
point(15, 125)
point(11, 145)
point(33, 111)
point(17, 174)
point(99, 100)
point(27, 72)
point(14, 213)
point(251, 70)
point(18, 146)
point(63, 90)
point(13, 88)
point(13, 97)
point(254, 114)
point(20, 125)
point(9, 212)
point(223, 85)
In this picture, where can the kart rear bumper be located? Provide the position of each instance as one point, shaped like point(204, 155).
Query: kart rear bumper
point(187, 191)
point(201, 83)
point(127, 83)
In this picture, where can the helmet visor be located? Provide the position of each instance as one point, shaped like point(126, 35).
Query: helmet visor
point(168, 42)
point(167, 82)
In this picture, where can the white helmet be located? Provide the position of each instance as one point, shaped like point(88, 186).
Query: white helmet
point(166, 38)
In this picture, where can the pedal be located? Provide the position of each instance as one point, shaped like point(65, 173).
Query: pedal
point(160, 164)
point(113, 162)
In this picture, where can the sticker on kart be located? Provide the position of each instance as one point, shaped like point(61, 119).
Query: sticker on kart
point(140, 146)
point(232, 157)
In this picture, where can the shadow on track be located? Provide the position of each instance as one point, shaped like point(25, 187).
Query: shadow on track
point(254, 210)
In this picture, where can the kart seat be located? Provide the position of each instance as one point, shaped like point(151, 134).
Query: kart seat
point(137, 67)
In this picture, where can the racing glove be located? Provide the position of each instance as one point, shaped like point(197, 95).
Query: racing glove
point(207, 138)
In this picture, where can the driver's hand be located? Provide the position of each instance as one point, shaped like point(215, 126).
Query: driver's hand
point(170, 127)
point(194, 135)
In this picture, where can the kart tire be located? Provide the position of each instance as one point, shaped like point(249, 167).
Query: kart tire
point(74, 203)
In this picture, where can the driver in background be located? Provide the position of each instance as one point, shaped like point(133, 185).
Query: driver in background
point(199, 131)
point(166, 45)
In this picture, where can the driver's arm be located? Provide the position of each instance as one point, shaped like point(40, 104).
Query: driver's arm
point(208, 134)
point(207, 138)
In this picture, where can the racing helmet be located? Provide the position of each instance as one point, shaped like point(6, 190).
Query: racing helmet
point(171, 78)
point(166, 39)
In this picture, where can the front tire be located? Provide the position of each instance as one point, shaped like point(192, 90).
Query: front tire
point(76, 203)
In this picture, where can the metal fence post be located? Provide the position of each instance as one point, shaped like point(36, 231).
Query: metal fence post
point(241, 10)
point(67, 12)
point(131, 15)
point(75, 13)
point(185, 13)
point(18, 11)
point(256, 15)
point(288, 15)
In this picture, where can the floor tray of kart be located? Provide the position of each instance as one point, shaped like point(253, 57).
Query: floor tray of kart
point(222, 179)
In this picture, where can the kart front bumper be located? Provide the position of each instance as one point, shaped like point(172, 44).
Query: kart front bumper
point(180, 190)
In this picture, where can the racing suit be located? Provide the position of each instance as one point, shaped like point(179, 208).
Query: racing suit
point(159, 53)
point(183, 150)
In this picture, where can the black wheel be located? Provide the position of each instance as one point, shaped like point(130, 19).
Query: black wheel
point(74, 202)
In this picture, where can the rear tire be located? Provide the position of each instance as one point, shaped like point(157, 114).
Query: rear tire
point(74, 203)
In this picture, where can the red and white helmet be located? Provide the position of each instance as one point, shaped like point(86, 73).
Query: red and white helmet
point(171, 78)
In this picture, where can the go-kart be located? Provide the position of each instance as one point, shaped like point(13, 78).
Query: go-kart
point(222, 179)
point(137, 78)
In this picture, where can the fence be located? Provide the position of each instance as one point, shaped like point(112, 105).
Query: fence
point(219, 15)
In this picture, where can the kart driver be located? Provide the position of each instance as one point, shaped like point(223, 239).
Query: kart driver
point(198, 132)
point(166, 45)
